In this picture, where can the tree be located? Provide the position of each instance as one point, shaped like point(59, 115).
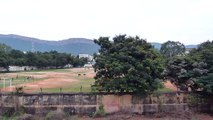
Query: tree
point(170, 49)
point(194, 70)
point(204, 53)
point(17, 58)
point(184, 72)
point(4, 48)
point(4, 57)
point(128, 64)
point(79, 62)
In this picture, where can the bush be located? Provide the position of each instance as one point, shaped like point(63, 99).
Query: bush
point(56, 115)
point(100, 112)
point(25, 117)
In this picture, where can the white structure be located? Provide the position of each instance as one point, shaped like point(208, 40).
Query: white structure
point(89, 57)
point(68, 66)
point(187, 51)
point(3, 69)
point(21, 68)
point(89, 65)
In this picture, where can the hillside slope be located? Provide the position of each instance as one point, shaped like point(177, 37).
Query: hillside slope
point(73, 45)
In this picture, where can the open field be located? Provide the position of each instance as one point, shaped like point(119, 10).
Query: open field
point(54, 80)
point(69, 80)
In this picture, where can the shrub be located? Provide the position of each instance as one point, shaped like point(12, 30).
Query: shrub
point(56, 115)
point(100, 112)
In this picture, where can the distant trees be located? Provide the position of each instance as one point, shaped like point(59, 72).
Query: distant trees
point(170, 49)
point(52, 59)
point(127, 64)
point(4, 57)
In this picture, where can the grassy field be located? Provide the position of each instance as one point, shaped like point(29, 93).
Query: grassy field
point(17, 81)
point(84, 85)
point(54, 80)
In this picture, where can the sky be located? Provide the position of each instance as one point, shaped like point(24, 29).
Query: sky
point(187, 21)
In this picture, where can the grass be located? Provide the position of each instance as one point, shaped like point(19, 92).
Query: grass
point(83, 85)
point(17, 81)
point(164, 90)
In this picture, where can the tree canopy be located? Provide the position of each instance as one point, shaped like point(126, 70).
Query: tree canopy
point(183, 72)
point(127, 64)
point(52, 59)
point(194, 70)
point(170, 49)
point(204, 53)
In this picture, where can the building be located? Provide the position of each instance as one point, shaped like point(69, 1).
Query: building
point(89, 57)
point(187, 51)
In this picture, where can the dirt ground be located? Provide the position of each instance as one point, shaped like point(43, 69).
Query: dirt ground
point(55, 79)
point(50, 79)
point(198, 116)
point(169, 85)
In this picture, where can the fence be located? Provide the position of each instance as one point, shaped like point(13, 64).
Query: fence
point(88, 103)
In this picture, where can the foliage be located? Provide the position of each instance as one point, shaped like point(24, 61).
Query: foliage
point(128, 64)
point(56, 115)
point(9, 112)
point(194, 70)
point(204, 53)
point(101, 112)
point(4, 58)
point(194, 99)
point(183, 72)
point(19, 90)
point(170, 49)
point(52, 59)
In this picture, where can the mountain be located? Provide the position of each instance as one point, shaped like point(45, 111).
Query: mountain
point(156, 45)
point(73, 45)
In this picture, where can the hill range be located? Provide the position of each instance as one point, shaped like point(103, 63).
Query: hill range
point(74, 46)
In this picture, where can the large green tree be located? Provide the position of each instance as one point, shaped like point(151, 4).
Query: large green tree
point(4, 56)
point(170, 49)
point(184, 72)
point(127, 64)
point(194, 70)
point(204, 53)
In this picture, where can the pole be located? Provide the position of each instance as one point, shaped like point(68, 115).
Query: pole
point(10, 85)
point(4, 83)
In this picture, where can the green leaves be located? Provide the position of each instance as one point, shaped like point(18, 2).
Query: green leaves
point(9, 56)
point(170, 49)
point(194, 70)
point(127, 64)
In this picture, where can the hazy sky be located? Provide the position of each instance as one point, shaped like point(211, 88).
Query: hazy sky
point(187, 21)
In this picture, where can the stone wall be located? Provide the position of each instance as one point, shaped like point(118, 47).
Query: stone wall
point(88, 103)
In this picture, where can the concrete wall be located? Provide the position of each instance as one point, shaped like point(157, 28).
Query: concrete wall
point(87, 103)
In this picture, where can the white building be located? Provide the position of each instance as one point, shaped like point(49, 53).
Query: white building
point(89, 57)
point(21, 68)
point(188, 50)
